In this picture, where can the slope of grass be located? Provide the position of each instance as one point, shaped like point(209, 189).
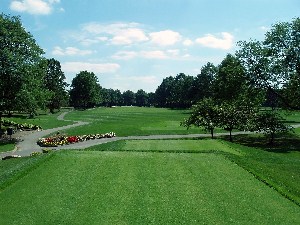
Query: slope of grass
point(88, 187)
point(278, 165)
point(13, 169)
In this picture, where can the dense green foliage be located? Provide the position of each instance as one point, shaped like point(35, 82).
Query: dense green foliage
point(54, 82)
point(21, 68)
point(275, 62)
point(85, 90)
point(205, 114)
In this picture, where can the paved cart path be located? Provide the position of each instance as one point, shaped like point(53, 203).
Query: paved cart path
point(28, 143)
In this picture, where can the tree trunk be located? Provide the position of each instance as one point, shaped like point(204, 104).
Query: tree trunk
point(212, 133)
point(230, 135)
point(0, 124)
point(272, 139)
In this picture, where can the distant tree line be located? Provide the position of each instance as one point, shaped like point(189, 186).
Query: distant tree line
point(86, 92)
point(268, 70)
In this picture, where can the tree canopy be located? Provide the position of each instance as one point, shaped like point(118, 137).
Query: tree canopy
point(85, 90)
point(55, 83)
point(22, 68)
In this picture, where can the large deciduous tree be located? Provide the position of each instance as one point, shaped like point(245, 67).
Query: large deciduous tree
point(202, 85)
point(22, 68)
point(128, 98)
point(283, 44)
point(175, 92)
point(85, 90)
point(230, 79)
point(164, 92)
point(272, 63)
point(141, 98)
point(54, 81)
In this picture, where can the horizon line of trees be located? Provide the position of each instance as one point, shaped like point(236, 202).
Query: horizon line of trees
point(269, 69)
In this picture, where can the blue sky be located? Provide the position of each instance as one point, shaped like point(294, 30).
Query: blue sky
point(134, 44)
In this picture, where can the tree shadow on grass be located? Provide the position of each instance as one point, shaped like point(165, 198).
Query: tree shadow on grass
point(291, 122)
point(283, 143)
point(19, 116)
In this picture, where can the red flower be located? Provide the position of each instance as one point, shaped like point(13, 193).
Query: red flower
point(72, 139)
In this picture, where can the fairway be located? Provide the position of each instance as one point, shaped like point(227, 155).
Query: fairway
point(120, 187)
point(130, 121)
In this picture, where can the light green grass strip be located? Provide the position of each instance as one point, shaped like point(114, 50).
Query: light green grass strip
point(142, 188)
point(205, 145)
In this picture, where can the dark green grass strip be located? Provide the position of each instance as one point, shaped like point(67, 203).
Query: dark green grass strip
point(276, 169)
point(88, 187)
point(5, 147)
point(12, 170)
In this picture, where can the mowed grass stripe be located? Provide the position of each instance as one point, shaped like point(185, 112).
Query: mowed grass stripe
point(129, 121)
point(76, 187)
point(204, 145)
point(175, 146)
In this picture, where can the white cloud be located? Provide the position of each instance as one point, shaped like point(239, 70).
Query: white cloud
point(90, 41)
point(225, 42)
point(173, 52)
point(186, 56)
point(76, 67)
point(120, 33)
point(154, 54)
point(125, 55)
point(144, 79)
point(263, 28)
point(165, 38)
point(70, 51)
point(129, 36)
point(188, 42)
point(134, 83)
point(34, 7)
point(54, 1)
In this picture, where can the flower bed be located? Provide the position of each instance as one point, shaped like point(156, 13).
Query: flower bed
point(57, 140)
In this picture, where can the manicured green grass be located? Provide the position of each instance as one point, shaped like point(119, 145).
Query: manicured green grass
point(128, 121)
point(144, 182)
point(45, 120)
point(278, 165)
point(292, 117)
point(13, 169)
point(154, 181)
point(5, 147)
point(179, 146)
